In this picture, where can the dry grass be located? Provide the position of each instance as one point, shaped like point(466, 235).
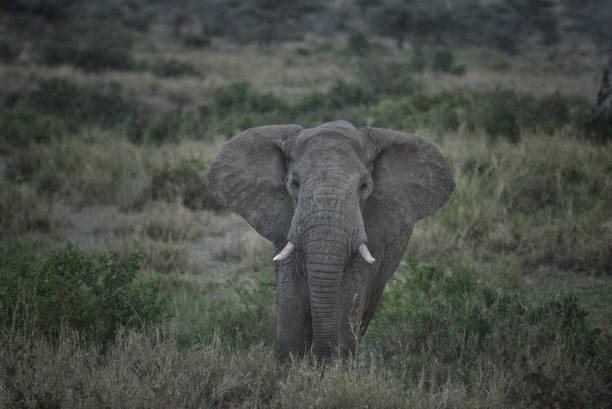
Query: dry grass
point(151, 368)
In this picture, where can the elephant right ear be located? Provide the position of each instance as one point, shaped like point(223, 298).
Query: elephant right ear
point(411, 181)
point(248, 176)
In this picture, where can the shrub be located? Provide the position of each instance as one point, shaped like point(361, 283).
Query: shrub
point(450, 325)
point(593, 124)
point(313, 101)
point(242, 97)
point(500, 113)
point(91, 57)
point(196, 41)
point(382, 77)
point(343, 94)
point(22, 211)
point(20, 128)
point(417, 61)
point(442, 60)
point(243, 317)
point(184, 181)
point(173, 68)
point(358, 43)
point(77, 104)
point(163, 128)
point(8, 51)
point(549, 113)
point(94, 294)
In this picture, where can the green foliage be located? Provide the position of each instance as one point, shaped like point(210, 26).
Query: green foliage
point(77, 104)
point(382, 77)
point(172, 67)
point(449, 317)
point(417, 61)
point(242, 97)
point(405, 19)
point(500, 115)
point(22, 211)
point(163, 128)
point(94, 294)
point(196, 41)
point(358, 43)
point(8, 51)
point(442, 60)
point(243, 317)
point(265, 22)
point(91, 57)
point(343, 94)
point(184, 181)
point(591, 19)
point(594, 124)
point(20, 128)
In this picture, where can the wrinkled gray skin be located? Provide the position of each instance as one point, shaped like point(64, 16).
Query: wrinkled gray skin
point(327, 190)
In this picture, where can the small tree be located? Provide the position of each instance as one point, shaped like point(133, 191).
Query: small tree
point(269, 20)
point(604, 96)
point(407, 19)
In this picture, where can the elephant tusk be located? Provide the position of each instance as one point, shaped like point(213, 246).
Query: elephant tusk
point(284, 252)
point(365, 253)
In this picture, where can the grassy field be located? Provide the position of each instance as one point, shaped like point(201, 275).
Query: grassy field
point(504, 298)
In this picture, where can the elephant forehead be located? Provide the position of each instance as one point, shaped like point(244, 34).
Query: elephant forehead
point(328, 148)
point(318, 140)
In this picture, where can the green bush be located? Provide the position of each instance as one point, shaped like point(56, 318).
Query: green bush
point(343, 94)
point(196, 41)
point(417, 61)
point(242, 97)
point(20, 128)
point(549, 113)
point(184, 181)
point(8, 51)
point(382, 77)
point(358, 43)
point(500, 115)
point(78, 104)
point(94, 294)
point(593, 124)
point(431, 316)
point(243, 317)
point(173, 68)
point(22, 211)
point(163, 128)
point(91, 57)
point(442, 60)
point(313, 101)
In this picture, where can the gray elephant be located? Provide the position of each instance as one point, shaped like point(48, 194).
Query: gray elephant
point(339, 205)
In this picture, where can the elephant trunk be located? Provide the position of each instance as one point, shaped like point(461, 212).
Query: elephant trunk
point(325, 253)
point(331, 232)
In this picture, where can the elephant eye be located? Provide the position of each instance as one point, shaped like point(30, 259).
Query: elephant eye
point(363, 186)
point(295, 183)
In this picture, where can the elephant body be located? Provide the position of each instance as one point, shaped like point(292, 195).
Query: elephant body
point(339, 204)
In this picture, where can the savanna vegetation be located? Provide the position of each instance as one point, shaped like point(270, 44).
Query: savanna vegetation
point(123, 284)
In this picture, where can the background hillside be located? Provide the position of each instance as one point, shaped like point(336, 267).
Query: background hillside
point(123, 284)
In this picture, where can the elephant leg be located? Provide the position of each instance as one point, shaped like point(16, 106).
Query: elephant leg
point(293, 319)
point(392, 254)
point(351, 304)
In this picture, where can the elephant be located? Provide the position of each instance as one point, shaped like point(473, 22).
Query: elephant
point(339, 205)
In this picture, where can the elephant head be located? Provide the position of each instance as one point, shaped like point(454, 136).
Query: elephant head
point(339, 205)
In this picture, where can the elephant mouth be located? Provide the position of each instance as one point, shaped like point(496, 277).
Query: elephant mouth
point(289, 247)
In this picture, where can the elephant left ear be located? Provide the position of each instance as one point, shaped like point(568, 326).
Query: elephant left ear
point(412, 180)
